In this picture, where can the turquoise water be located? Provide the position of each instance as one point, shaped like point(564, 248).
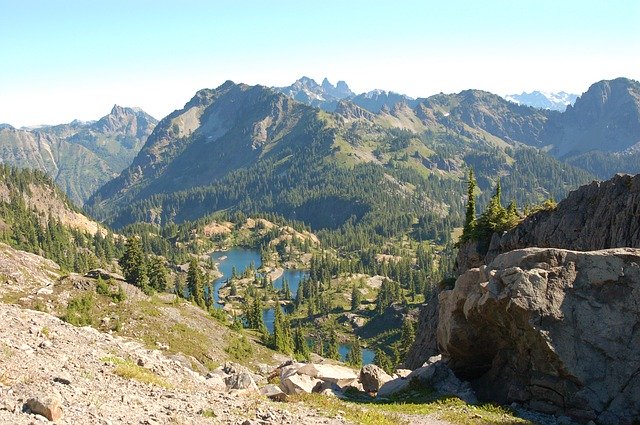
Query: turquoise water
point(241, 259)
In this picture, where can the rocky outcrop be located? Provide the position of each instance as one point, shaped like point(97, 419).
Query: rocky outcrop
point(434, 374)
point(555, 330)
point(426, 343)
point(600, 215)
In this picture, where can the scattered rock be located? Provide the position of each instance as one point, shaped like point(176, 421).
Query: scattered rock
point(62, 380)
point(45, 344)
point(49, 406)
point(327, 372)
point(373, 377)
point(241, 381)
point(298, 384)
point(103, 274)
point(274, 393)
point(433, 374)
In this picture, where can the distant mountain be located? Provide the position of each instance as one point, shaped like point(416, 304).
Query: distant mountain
point(544, 100)
point(79, 156)
point(377, 100)
point(324, 95)
point(253, 149)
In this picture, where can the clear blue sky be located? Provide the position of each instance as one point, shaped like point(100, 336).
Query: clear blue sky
point(61, 60)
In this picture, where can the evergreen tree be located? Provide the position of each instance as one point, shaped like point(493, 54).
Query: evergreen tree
point(407, 335)
point(301, 348)
point(354, 358)
point(158, 275)
point(332, 348)
point(286, 290)
point(356, 298)
point(133, 263)
point(383, 361)
point(494, 217)
point(282, 338)
point(195, 283)
point(468, 232)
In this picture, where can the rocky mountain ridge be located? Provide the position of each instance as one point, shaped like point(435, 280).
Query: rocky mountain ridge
point(226, 136)
point(79, 156)
point(597, 216)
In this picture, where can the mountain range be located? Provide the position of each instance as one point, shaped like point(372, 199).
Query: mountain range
point(544, 100)
point(254, 149)
point(320, 154)
point(79, 156)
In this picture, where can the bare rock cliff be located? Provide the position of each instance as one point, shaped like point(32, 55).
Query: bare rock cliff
point(600, 215)
point(555, 330)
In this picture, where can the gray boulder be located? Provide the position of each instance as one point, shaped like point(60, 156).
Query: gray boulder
point(241, 381)
point(373, 377)
point(327, 372)
point(298, 384)
point(434, 374)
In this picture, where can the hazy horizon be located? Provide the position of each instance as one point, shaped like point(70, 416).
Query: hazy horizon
point(76, 60)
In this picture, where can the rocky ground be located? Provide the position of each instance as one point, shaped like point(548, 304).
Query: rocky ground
point(94, 378)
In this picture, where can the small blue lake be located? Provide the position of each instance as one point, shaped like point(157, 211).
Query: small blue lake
point(241, 259)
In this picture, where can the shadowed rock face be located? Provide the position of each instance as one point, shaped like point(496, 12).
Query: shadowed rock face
point(600, 215)
point(556, 330)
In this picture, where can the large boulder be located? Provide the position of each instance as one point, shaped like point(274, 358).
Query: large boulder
point(47, 405)
point(373, 377)
point(426, 343)
point(435, 375)
point(555, 330)
point(298, 384)
point(241, 381)
point(328, 372)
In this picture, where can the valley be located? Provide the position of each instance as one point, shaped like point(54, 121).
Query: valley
point(287, 230)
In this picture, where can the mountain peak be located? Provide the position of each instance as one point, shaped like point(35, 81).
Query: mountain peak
point(556, 101)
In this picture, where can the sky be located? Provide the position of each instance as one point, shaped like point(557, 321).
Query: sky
point(63, 60)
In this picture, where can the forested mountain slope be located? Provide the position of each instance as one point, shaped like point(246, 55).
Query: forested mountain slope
point(252, 149)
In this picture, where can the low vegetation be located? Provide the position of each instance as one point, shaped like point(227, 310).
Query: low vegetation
point(129, 370)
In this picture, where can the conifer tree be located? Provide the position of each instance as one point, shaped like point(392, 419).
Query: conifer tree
point(407, 336)
point(354, 358)
point(195, 283)
point(158, 275)
point(383, 361)
point(133, 263)
point(285, 289)
point(301, 348)
point(332, 348)
point(468, 232)
point(282, 338)
point(356, 298)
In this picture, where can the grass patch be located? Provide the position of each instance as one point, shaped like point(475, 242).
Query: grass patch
point(364, 409)
point(208, 413)
point(359, 415)
point(129, 370)
point(239, 347)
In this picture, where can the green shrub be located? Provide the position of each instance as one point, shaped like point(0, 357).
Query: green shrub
point(79, 310)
